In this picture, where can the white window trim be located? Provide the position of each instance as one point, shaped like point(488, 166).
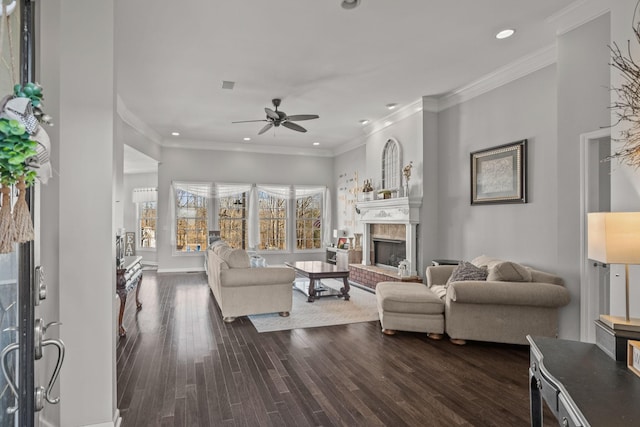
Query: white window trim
point(172, 198)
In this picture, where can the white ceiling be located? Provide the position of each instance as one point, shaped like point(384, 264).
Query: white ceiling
point(344, 65)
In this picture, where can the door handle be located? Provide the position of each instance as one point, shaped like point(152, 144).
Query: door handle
point(56, 372)
point(38, 336)
point(3, 356)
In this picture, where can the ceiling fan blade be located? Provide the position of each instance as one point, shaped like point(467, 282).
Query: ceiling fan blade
point(299, 117)
point(248, 121)
point(272, 114)
point(293, 126)
point(265, 128)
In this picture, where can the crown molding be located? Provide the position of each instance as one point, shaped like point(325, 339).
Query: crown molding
point(136, 123)
point(193, 144)
point(578, 13)
point(351, 145)
point(514, 71)
point(407, 111)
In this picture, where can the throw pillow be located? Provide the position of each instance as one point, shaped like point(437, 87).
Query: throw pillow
point(439, 290)
point(485, 261)
point(508, 271)
point(466, 271)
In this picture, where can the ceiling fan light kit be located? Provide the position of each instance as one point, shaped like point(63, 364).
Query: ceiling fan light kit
point(277, 118)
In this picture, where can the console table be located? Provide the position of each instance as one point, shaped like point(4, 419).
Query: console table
point(581, 385)
point(128, 278)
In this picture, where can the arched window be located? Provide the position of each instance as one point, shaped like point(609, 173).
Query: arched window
point(391, 165)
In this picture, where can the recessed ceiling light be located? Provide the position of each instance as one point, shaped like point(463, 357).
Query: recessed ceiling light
point(247, 139)
point(316, 143)
point(175, 133)
point(392, 106)
point(364, 122)
point(505, 33)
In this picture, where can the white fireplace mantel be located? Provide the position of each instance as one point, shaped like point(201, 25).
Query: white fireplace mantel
point(400, 210)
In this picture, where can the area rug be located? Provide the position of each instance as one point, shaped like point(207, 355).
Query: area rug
point(326, 311)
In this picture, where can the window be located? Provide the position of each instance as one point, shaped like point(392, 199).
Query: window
point(391, 165)
point(147, 217)
point(308, 220)
point(191, 216)
point(232, 219)
point(272, 214)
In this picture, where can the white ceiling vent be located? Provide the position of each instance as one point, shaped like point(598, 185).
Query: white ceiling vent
point(228, 85)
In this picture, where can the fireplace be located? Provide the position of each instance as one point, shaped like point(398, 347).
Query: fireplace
point(388, 252)
point(392, 221)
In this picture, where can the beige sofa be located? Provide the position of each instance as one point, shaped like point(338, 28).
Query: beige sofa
point(514, 301)
point(241, 290)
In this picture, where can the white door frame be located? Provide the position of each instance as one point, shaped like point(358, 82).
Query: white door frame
point(589, 283)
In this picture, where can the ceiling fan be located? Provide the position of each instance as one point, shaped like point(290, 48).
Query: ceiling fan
point(277, 118)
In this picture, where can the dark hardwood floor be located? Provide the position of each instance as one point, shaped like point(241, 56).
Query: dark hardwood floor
point(181, 365)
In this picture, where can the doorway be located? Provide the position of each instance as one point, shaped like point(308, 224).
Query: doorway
point(595, 196)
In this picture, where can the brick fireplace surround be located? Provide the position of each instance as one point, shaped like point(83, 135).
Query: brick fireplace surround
point(369, 276)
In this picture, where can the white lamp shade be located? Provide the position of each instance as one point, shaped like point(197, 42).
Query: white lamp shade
point(614, 237)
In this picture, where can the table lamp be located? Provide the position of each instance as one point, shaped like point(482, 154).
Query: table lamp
point(614, 238)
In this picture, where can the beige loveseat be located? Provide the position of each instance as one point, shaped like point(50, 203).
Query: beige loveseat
point(509, 302)
point(241, 290)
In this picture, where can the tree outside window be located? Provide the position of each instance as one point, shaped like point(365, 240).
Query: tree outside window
point(272, 211)
point(191, 219)
point(309, 222)
point(147, 217)
point(232, 220)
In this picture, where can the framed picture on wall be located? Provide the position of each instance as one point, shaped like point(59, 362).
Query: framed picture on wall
point(499, 174)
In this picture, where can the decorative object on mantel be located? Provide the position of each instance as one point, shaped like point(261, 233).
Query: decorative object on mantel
point(407, 174)
point(627, 106)
point(367, 191)
point(384, 193)
point(499, 174)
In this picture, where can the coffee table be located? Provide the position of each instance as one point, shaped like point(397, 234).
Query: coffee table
point(316, 271)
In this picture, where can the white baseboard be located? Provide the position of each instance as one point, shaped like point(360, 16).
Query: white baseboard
point(182, 270)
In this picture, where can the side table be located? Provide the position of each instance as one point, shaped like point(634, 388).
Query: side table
point(127, 279)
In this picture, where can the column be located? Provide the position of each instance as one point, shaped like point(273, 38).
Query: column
point(410, 237)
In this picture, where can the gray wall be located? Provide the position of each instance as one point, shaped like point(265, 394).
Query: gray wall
point(77, 213)
point(550, 108)
point(583, 101)
point(229, 167)
point(349, 162)
point(523, 109)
